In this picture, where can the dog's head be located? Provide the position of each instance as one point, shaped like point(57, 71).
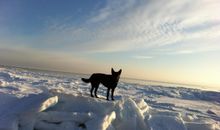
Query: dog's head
point(115, 74)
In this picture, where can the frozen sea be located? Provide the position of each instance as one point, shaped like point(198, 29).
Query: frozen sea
point(44, 100)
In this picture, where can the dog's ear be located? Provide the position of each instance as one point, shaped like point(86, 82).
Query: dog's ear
point(112, 71)
point(120, 71)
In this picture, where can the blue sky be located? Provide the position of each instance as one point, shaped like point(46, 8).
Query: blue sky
point(175, 41)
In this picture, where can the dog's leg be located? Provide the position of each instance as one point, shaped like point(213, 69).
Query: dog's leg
point(107, 93)
point(96, 92)
point(91, 91)
point(113, 94)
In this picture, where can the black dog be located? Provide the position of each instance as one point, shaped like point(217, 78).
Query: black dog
point(109, 81)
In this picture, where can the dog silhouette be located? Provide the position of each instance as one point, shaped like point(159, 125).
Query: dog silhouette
point(109, 81)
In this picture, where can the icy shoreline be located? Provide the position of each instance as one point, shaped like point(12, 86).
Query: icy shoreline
point(40, 101)
point(78, 112)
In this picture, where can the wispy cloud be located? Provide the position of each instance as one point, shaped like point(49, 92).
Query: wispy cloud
point(132, 25)
point(142, 57)
point(128, 25)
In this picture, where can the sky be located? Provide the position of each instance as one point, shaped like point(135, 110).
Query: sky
point(163, 40)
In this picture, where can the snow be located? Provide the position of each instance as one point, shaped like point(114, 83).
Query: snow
point(42, 100)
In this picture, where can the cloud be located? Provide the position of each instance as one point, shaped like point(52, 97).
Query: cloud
point(132, 25)
point(142, 57)
point(129, 25)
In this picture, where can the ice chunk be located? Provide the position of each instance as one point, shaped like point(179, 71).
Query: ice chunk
point(142, 105)
point(102, 123)
point(48, 103)
point(95, 114)
point(129, 116)
point(17, 109)
point(27, 117)
point(164, 122)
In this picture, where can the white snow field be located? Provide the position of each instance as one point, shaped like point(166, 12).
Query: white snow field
point(42, 100)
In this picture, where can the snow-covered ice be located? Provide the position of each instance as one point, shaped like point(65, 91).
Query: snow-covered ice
point(43, 100)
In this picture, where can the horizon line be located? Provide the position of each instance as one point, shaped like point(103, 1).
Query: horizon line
point(185, 85)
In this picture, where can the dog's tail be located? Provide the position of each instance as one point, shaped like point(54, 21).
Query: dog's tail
point(85, 80)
